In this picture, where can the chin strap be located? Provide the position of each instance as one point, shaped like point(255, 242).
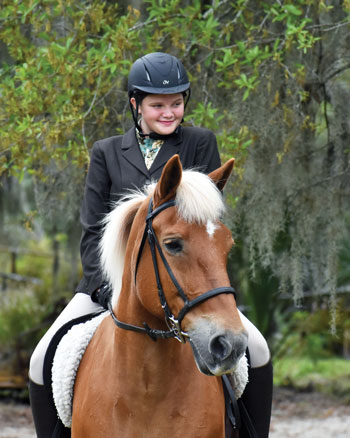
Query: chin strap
point(134, 113)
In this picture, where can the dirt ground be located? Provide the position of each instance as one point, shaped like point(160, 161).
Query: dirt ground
point(295, 415)
point(308, 415)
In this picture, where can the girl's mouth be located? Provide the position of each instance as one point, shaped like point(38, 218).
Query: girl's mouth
point(166, 122)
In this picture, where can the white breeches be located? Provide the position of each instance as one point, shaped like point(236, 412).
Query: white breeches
point(258, 349)
point(81, 304)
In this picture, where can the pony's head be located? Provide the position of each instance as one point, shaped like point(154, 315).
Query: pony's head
point(195, 245)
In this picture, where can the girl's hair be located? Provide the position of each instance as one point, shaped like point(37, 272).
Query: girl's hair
point(140, 95)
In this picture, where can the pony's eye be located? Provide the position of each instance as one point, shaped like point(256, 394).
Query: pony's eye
point(173, 246)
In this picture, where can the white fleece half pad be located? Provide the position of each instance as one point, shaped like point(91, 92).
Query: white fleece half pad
point(66, 362)
point(70, 352)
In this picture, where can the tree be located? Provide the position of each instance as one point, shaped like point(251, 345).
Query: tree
point(270, 78)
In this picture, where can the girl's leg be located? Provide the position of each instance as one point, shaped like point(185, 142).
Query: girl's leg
point(43, 409)
point(81, 304)
point(257, 396)
point(258, 349)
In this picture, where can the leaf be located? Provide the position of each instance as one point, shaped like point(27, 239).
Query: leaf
point(246, 94)
point(293, 10)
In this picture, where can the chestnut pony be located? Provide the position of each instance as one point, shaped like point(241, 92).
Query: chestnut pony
point(170, 249)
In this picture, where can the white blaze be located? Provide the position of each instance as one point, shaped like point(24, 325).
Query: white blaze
point(211, 228)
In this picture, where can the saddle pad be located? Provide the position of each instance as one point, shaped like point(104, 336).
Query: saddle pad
point(239, 378)
point(65, 365)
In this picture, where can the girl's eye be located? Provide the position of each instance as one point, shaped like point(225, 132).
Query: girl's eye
point(173, 246)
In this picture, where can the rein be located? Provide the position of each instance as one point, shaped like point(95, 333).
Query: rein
point(173, 323)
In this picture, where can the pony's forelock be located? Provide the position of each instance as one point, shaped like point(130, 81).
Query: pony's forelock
point(197, 201)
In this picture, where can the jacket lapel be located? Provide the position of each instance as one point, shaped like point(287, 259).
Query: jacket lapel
point(132, 153)
point(170, 147)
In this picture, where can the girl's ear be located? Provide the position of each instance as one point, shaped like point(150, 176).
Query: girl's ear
point(133, 102)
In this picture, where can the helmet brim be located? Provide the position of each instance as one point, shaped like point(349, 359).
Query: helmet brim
point(163, 90)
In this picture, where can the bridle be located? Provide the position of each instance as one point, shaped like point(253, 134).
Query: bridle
point(173, 323)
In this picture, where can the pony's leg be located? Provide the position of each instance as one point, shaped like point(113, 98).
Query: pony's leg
point(43, 409)
point(257, 396)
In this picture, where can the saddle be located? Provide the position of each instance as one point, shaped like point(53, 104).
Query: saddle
point(66, 350)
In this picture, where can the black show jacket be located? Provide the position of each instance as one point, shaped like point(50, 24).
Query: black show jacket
point(116, 165)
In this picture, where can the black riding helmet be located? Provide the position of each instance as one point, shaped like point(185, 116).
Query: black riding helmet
point(156, 73)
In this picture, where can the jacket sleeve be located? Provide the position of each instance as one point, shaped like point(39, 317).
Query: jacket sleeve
point(96, 204)
point(207, 154)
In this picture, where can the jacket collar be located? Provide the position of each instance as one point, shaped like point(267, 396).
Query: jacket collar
point(131, 151)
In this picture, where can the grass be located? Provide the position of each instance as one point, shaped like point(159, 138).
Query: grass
point(328, 375)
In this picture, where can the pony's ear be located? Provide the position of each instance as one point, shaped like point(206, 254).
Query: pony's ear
point(168, 182)
point(222, 174)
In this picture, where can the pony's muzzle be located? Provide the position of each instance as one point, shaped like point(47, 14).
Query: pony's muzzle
point(217, 350)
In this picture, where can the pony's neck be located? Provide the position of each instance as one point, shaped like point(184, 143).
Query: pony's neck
point(130, 310)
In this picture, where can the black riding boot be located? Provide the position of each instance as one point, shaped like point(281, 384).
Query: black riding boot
point(43, 409)
point(257, 400)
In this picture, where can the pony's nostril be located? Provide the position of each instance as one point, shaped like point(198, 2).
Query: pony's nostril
point(219, 347)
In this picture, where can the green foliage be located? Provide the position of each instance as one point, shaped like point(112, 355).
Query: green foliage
point(307, 335)
point(25, 315)
point(65, 56)
point(20, 312)
point(35, 259)
point(331, 376)
point(270, 78)
point(307, 355)
point(70, 60)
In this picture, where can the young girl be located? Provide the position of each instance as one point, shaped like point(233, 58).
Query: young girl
point(159, 90)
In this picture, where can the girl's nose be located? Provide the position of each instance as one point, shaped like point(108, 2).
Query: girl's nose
point(167, 112)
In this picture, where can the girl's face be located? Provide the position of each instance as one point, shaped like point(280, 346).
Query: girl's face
point(161, 113)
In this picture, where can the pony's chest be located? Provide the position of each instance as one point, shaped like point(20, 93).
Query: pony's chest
point(169, 405)
point(168, 420)
point(146, 400)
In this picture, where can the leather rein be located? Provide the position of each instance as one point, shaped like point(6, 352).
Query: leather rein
point(173, 323)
